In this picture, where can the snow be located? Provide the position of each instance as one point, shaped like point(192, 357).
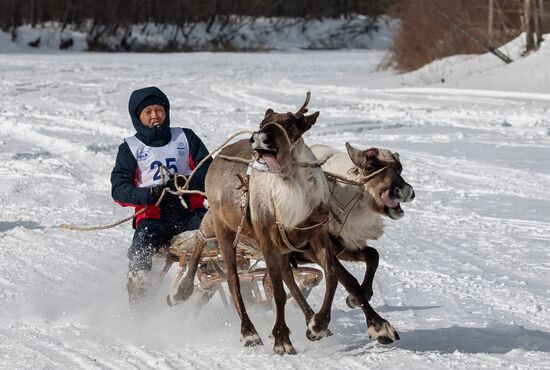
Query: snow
point(487, 72)
point(463, 276)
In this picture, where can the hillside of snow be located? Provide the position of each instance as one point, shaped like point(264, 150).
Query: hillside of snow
point(464, 276)
point(530, 73)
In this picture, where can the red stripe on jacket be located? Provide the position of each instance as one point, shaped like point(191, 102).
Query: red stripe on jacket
point(152, 210)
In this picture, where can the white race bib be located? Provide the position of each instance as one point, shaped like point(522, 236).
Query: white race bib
point(174, 156)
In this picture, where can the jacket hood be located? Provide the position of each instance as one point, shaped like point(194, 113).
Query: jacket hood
point(152, 136)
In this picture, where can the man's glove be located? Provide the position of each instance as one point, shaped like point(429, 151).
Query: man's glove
point(156, 191)
point(180, 179)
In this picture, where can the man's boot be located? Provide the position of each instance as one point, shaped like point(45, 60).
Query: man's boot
point(139, 284)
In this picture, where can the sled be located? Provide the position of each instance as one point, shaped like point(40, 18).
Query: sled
point(211, 271)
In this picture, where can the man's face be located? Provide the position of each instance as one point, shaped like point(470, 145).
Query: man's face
point(152, 115)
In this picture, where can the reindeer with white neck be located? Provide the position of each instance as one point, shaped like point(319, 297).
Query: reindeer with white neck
point(288, 200)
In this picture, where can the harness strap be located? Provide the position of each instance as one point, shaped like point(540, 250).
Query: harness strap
point(245, 182)
point(235, 159)
point(299, 247)
point(366, 178)
point(312, 226)
point(200, 235)
point(337, 178)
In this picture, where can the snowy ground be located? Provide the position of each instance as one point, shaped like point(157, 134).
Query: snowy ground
point(464, 277)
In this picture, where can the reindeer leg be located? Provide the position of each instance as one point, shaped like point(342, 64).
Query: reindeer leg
point(185, 287)
point(288, 277)
point(378, 328)
point(248, 332)
point(268, 289)
point(280, 332)
point(317, 327)
point(371, 258)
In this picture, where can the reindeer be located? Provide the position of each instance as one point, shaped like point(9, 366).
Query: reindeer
point(287, 191)
point(356, 211)
point(365, 185)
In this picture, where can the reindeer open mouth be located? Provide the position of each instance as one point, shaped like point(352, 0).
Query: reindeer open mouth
point(265, 152)
point(391, 207)
point(266, 160)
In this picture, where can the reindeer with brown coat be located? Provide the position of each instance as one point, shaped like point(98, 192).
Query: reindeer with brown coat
point(287, 188)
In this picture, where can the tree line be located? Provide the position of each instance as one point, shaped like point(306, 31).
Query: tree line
point(115, 12)
point(429, 29)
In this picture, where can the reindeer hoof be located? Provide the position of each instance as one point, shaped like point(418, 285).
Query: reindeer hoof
point(384, 340)
point(253, 340)
point(172, 300)
point(169, 301)
point(182, 292)
point(383, 332)
point(313, 334)
point(185, 289)
point(351, 301)
point(284, 348)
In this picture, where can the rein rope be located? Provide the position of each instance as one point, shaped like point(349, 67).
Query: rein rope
point(109, 226)
point(180, 190)
point(293, 146)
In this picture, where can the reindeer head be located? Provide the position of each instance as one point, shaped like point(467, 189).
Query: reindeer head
point(279, 133)
point(387, 187)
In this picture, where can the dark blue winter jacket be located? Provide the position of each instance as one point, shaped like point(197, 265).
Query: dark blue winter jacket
point(124, 174)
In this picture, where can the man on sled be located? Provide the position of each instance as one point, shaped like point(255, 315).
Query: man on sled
point(139, 178)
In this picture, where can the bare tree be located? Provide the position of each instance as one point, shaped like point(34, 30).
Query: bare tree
point(529, 26)
point(33, 12)
point(490, 20)
point(539, 20)
point(16, 19)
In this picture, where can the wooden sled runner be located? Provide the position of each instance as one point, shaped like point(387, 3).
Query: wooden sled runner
point(211, 271)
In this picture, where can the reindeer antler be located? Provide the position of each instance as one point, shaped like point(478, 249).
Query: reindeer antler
point(303, 110)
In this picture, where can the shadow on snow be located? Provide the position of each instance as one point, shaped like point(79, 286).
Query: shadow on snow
point(492, 339)
point(31, 225)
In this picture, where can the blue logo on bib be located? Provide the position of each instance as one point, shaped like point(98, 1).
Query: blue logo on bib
point(181, 149)
point(142, 155)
